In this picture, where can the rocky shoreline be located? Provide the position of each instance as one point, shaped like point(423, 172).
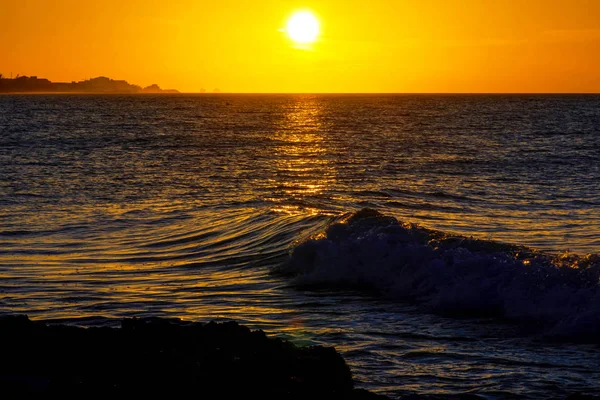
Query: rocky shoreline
point(166, 357)
point(158, 357)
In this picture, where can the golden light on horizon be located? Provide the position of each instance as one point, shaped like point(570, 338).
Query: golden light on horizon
point(379, 46)
point(303, 27)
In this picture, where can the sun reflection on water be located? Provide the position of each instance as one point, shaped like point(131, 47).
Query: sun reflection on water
point(301, 157)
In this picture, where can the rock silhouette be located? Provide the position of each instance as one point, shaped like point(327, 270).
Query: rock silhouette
point(150, 357)
point(33, 84)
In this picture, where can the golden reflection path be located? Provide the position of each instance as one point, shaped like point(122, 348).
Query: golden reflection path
point(301, 158)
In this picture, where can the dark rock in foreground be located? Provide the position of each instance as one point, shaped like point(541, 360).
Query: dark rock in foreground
point(159, 357)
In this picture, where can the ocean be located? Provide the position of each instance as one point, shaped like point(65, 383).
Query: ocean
point(444, 244)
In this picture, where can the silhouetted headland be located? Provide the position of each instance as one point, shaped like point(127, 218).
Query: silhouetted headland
point(33, 84)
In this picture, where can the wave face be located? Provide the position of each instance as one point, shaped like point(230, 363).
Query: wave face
point(453, 275)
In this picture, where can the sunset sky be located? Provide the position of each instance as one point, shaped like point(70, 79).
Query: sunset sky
point(363, 46)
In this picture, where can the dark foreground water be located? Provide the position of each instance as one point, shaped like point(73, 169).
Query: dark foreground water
point(201, 207)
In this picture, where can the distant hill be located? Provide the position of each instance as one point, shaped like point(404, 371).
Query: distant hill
point(33, 84)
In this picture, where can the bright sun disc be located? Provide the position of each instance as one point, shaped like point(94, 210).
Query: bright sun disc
point(303, 27)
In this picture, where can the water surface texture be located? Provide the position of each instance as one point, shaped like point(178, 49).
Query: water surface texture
point(199, 207)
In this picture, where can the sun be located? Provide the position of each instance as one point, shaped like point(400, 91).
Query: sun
point(303, 27)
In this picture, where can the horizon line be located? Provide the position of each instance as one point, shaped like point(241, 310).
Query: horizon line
point(306, 93)
point(394, 93)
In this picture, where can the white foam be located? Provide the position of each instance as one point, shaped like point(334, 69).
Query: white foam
point(453, 275)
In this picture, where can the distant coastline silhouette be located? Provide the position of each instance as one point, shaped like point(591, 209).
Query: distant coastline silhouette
point(102, 84)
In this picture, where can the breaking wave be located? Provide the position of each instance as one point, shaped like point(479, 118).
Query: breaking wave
point(453, 275)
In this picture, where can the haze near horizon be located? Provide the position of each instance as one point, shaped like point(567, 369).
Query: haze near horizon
point(466, 46)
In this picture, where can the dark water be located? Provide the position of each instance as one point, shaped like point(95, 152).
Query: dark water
point(198, 207)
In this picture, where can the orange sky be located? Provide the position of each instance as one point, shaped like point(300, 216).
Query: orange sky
point(365, 45)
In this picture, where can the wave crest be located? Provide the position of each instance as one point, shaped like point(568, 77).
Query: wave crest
point(453, 275)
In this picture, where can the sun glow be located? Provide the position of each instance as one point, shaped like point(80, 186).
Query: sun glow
point(303, 27)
